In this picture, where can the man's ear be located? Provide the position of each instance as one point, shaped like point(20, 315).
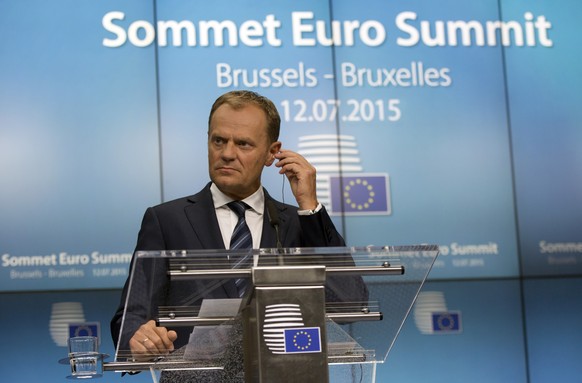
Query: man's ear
point(273, 149)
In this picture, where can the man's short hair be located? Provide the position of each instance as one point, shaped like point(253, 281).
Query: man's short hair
point(237, 99)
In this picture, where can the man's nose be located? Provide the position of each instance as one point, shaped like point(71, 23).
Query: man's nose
point(228, 151)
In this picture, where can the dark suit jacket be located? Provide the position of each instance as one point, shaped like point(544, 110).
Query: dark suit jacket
point(190, 223)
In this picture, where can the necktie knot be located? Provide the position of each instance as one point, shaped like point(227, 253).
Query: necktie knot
point(239, 207)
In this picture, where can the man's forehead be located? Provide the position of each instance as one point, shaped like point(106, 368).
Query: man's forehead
point(245, 121)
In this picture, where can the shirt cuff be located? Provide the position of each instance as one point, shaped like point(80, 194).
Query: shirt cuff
point(310, 212)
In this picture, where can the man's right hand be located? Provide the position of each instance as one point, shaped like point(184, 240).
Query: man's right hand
point(150, 340)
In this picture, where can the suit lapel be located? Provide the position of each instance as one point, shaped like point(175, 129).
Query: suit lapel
point(269, 236)
point(202, 216)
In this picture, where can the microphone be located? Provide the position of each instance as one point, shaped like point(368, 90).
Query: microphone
point(274, 221)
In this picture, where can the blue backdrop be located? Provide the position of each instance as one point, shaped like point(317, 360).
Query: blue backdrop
point(473, 141)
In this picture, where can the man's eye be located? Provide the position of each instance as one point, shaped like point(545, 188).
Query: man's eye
point(244, 144)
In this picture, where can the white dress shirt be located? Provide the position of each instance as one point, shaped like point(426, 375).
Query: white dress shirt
point(227, 218)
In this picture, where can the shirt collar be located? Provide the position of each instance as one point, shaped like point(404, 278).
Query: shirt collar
point(256, 200)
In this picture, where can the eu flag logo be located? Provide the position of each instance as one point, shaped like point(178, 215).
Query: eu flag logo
point(446, 322)
point(360, 194)
point(302, 340)
point(85, 329)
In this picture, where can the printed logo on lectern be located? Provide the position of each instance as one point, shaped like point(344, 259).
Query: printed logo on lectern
point(431, 315)
point(305, 339)
point(285, 333)
point(342, 186)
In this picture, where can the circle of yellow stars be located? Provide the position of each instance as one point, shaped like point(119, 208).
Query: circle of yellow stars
point(446, 322)
point(296, 344)
point(357, 205)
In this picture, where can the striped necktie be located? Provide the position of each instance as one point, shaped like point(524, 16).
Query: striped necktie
point(241, 235)
point(241, 239)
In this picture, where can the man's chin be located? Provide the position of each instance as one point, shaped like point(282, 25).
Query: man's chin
point(227, 185)
point(232, 188)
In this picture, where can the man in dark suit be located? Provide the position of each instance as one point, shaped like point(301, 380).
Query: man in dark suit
point(243, 130)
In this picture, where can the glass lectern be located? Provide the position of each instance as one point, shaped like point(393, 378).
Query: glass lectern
point(270, 315)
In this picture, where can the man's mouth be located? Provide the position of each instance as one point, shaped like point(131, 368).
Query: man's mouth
point(226, 169)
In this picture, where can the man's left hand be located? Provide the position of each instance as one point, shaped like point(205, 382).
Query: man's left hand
point(301, 176)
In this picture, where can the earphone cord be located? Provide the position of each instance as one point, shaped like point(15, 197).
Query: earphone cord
point(283, 190)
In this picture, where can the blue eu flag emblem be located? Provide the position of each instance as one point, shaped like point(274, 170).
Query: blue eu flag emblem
point(360, 194)
point(85, 329)
point(446, 322)
point(302, 339)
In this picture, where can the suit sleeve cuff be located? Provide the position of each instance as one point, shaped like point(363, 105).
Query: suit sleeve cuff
point(310, 212)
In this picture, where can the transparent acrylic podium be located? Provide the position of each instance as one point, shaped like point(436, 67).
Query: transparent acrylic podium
point(307, 314)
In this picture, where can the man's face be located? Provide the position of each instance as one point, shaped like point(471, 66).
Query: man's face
point(238, 149)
